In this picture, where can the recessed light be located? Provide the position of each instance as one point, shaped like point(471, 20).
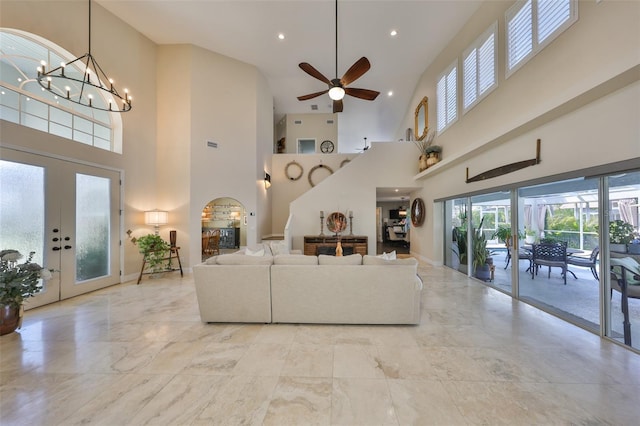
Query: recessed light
point(281, 36)
point(390, 93)
point(397, 190)
point(393, 33)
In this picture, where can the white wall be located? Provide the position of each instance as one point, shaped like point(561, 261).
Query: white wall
point(313, 126)
point(285, 190)
point(579, 96)
point(113, 40)
point(353, 187)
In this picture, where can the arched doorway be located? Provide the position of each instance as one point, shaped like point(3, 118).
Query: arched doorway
point(226, 216)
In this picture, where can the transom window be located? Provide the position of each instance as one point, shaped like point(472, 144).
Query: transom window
point(533, 24)
point(24, 102)
point(447, 106)
point(479, 76)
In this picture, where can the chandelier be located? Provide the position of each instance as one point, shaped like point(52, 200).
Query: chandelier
point(82, 80)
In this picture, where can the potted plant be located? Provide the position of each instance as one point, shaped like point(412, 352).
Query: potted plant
point(426, 148)
point(155, 251)
point(620, 234)
point(460, 247)
point(481, 266)
point(634, 246)
point(529, 236)
point(18, 282)
point(503, 233)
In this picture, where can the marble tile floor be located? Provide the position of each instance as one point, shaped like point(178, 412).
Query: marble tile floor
point(137, 355)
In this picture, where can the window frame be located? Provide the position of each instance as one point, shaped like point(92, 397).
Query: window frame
point(475, 46)
point(446, 75)
point(536, 46)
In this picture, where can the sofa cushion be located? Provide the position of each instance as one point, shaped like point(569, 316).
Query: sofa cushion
point(352, 259)
point(241, 259)
point(375, 260)
point(278, 247)
point(295, 259)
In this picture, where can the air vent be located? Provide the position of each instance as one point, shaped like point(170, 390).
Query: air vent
point(314, 107)
point(212, 144)
point(297, 122)
point(329, 121)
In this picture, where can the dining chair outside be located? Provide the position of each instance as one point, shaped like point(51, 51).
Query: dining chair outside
point(550, 255)
point(591, 262)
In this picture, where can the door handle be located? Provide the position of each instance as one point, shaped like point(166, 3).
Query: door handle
point(56, 248)
point(66, 247)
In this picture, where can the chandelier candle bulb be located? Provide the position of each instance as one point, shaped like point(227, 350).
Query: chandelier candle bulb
point(49, 83)
point(62, 69)
point(68, 91)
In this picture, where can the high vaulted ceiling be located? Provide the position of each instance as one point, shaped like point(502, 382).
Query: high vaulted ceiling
point(247, 30)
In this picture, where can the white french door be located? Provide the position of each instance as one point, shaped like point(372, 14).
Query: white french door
point(68, 213)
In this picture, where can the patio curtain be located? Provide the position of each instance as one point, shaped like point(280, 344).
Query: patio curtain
point(542, 213)
point(626, 212)
point(527, 216)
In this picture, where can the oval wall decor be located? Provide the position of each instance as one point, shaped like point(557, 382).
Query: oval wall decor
point(417, 212)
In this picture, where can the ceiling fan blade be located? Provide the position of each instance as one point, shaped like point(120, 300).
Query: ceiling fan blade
point(312, 95)
point(361, 66)
point(365, 94)
point(309, 69)
point(337, 106)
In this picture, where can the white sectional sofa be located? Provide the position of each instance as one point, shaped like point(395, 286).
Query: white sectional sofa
point(308, 289)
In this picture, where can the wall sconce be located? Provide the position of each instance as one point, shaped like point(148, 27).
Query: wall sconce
point(156, 218)
point(267, 180)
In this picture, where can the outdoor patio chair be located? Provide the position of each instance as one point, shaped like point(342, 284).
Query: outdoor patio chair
point(550, 255)
point(625, 279)
point(591, 262)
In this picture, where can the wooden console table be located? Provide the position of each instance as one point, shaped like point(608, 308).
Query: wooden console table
point(358, 243)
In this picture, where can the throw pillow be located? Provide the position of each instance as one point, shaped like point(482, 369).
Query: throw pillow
point(241, 259)
point(377, 260)
point(250, 252)
point(388, 256)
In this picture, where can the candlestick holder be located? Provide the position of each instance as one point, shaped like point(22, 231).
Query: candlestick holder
point(322, 223)
point(350, 224)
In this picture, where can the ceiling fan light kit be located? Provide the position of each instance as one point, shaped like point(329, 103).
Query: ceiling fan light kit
point(337, 87)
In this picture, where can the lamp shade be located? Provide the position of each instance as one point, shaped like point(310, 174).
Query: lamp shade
point(156, 217)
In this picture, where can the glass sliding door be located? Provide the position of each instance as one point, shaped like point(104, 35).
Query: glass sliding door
point(493, 213)
point(561, 224)
point(455, 228)
point(623, 313)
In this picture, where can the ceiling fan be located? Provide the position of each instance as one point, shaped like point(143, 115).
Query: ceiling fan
point(338, 86)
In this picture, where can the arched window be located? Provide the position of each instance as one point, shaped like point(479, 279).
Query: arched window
point(24, 102)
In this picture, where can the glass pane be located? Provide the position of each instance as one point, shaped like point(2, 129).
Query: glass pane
point(9, 98)
point(492, 242)
point(35, 122)
point(306, 146)
point(82, 137)
point(561, 245)
point(58, 130)
point(624, 251)
point(61, 117)
point(9, 114)
point(92, 227)
point(456, 239)
point(34, 107)
point(22, 208)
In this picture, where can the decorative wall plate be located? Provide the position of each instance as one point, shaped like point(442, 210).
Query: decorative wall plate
point(417, 212)
point(336, 222)
point(326, 147)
